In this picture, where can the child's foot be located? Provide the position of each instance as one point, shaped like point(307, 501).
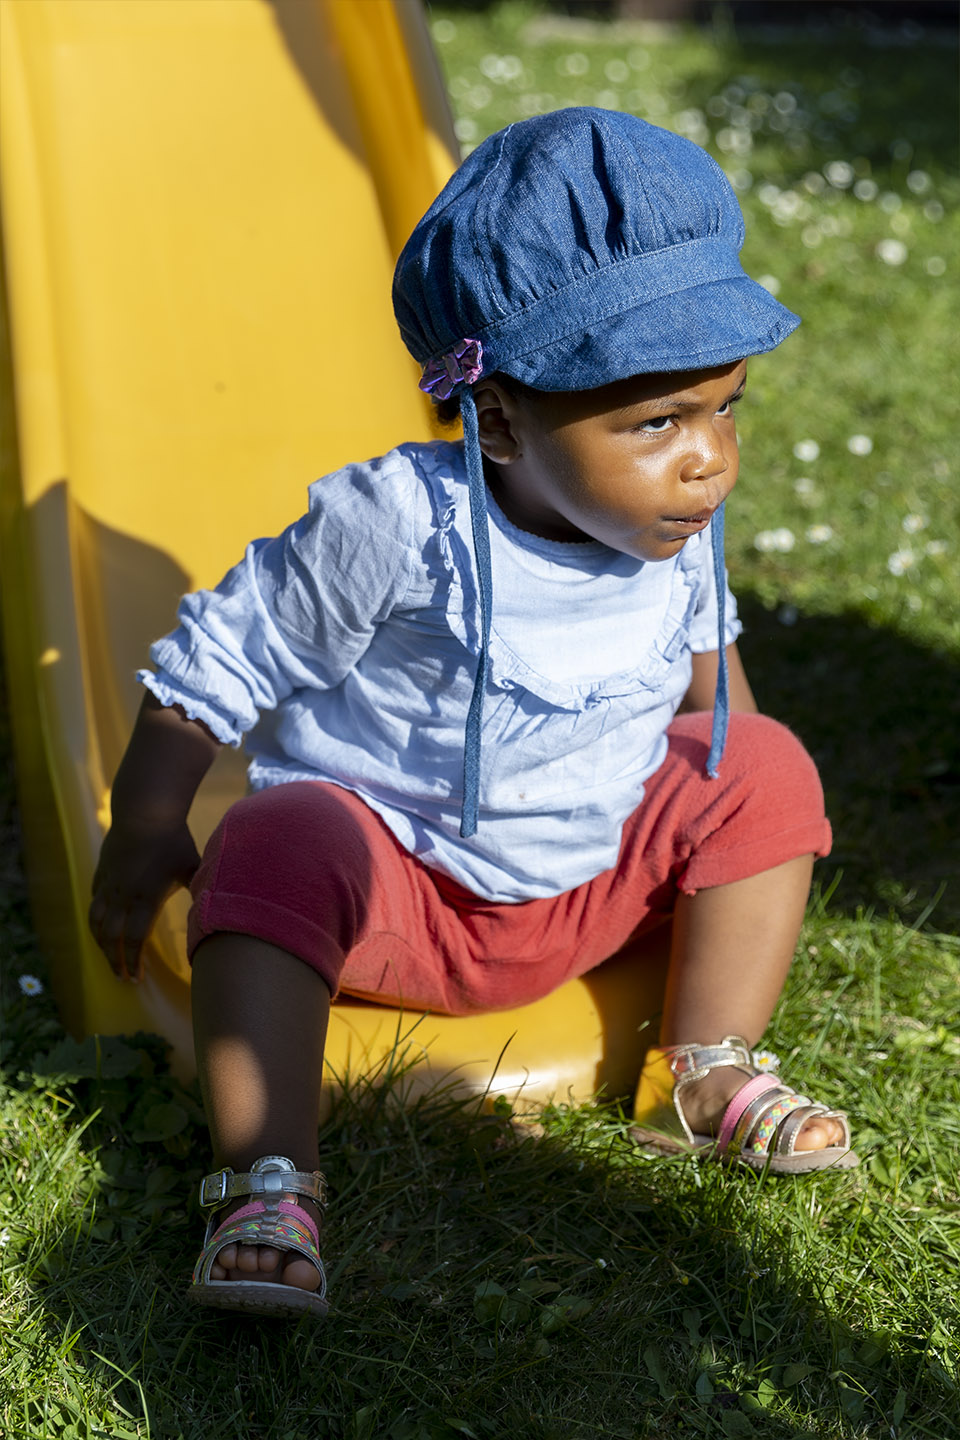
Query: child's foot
point(266, 1262)
point(704, 1102)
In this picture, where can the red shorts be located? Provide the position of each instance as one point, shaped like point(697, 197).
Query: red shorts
point(310, 868)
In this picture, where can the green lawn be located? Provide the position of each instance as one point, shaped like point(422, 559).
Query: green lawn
point(494, 1283)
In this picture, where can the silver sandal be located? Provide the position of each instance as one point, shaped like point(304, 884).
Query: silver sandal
point(760, 1125)
point(268, 1220)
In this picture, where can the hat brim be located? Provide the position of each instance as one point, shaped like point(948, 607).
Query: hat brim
point(695, 329)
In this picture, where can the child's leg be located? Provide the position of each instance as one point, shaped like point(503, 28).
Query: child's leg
point(731, 950)
point(260, 1020)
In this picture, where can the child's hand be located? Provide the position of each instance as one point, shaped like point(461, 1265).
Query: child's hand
point(140, 865)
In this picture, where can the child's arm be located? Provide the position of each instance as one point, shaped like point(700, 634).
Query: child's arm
point(703, 685)
point(148, 850)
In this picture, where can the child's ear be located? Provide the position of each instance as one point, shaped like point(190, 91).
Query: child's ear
point(495, 410)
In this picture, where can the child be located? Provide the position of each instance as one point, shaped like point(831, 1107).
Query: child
point(475, 782)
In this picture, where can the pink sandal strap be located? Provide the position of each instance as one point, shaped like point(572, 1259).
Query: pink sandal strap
point(256, 1208)
point(759, 1085)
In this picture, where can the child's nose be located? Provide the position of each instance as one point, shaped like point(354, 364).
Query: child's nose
point(706, 458)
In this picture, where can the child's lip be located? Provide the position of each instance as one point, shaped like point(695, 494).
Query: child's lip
point(701, 518)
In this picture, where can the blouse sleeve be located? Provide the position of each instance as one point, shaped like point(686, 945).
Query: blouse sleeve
point(703, 628)
point(299, 610)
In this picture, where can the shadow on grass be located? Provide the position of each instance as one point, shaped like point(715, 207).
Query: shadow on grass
point(465, 1260)
point(881, 717)
point(491, 1283)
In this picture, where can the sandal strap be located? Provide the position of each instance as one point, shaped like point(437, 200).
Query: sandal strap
point(692, 1062)
point(269, 1226)
point(741, 1103)
point(271, 1176)
point(758, 1127)
point(286, 1227)
point(763, 1120)
point(790, 1128)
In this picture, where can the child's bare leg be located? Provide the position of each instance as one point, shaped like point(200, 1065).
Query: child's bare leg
point(732, 947)
point(260, 1021)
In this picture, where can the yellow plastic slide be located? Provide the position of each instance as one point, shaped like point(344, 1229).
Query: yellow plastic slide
point(202, 202)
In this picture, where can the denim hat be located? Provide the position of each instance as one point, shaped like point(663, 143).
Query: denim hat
point(582, 247)
point(568, 251)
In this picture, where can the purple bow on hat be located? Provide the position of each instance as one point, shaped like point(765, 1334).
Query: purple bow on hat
point(462, 364)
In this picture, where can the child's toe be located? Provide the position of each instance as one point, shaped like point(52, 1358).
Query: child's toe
point(301, 1273)
point(268, 1257)
point(226, 1260)
point(248, 1259)
point(819, 1133)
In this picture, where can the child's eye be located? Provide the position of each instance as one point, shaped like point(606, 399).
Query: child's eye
point(656, 426)
point(727, 407)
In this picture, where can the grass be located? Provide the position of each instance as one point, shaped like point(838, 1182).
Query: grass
point(490, 1281)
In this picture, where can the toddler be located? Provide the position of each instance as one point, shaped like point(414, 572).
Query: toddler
point(497, 722)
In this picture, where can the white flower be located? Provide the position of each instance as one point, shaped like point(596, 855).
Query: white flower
point(900, 561)
point(913, 523)
point(30, 985)
point(811, 236)
point(865, 189)
point(443, 31)
point(617, 72)
point(806, 450)
point(819, 534)
point(772, 284)
point(891, 252)
point(733, 141)
point(803, 485)
point(765, 1060)
point(918, 181)
point(767, 540)
point(4, 1236)
point(839, 173)
point(935, 547)
point(465, 128)
point(859, 444)
point(936, 265)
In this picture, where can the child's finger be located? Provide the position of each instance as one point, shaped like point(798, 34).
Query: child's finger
point(139, 924)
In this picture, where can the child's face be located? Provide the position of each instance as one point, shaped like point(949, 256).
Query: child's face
point(640, 465)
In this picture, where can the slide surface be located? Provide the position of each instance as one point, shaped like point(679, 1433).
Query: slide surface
point(202, 201)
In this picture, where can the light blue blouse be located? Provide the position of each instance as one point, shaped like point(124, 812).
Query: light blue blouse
point(345, 650)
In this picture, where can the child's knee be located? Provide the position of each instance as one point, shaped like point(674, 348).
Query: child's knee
point(768, 806)
point(290, 864)
point(776, 763)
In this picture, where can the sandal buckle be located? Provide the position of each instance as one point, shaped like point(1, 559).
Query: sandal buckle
point(221, 1182)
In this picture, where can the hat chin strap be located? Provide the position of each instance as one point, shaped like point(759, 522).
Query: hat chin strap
point(721, 697)
point(479, 525)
